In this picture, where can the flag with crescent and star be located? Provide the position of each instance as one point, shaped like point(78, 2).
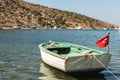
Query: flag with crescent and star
point(103, 42)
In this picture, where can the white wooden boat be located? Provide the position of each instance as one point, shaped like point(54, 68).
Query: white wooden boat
point(71, 58)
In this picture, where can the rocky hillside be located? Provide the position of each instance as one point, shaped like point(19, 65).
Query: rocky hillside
point(25, 15)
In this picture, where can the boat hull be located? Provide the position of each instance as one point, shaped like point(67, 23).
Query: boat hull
point(87, 63)
point(53, 61)
point(81, 63)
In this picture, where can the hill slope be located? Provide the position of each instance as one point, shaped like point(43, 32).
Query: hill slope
point(24, 14)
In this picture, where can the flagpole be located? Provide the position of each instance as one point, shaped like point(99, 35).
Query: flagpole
point(108, 44)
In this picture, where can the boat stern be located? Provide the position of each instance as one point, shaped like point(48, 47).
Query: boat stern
point(89, 63)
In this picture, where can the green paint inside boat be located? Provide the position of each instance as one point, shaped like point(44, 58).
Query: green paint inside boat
point(64, 50)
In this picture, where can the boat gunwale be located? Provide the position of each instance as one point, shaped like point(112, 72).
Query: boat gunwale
point(68, 55)
point(51, 53)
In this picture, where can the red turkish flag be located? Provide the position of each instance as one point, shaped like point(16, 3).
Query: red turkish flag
point(103, 42)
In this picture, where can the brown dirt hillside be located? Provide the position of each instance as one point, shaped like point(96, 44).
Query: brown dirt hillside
point(25, 15)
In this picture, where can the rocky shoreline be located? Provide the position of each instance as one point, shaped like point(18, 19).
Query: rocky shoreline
point(7, 28)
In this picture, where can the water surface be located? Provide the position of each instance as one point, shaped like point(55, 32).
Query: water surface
point(20, 57)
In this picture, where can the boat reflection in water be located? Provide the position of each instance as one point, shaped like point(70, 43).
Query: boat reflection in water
point(49, 73)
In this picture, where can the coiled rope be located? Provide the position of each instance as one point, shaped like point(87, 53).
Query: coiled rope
point(106, 68)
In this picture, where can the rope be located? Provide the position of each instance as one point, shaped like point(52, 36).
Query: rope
point(106, 68)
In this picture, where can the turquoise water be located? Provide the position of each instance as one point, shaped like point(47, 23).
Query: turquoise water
point(20, 57)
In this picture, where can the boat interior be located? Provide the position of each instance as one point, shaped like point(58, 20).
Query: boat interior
point(64, 50)
point(60, 50)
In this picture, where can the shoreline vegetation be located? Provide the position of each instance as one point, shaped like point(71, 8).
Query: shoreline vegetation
point(18, 14)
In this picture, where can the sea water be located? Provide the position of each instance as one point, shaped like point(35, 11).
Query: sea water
point(20, 57)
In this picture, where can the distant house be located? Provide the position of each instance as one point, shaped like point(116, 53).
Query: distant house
point(54, 27)
point(79, 27)
point(16, 27)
